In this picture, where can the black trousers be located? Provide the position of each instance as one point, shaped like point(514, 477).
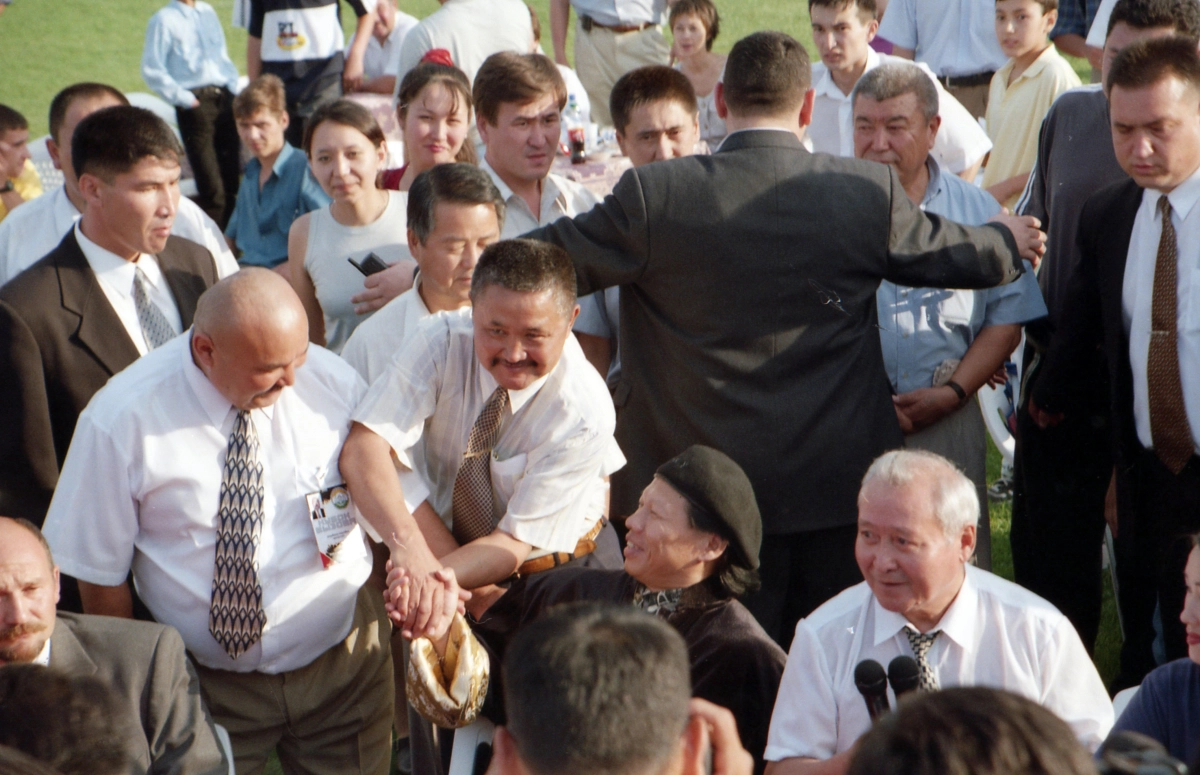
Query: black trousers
point(1060, 477)
point(1152, 550)
point(327, 89)
point(211, 140)
point(799, 572)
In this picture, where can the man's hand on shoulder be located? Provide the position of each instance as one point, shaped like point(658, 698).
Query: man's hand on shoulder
point(1026, 230)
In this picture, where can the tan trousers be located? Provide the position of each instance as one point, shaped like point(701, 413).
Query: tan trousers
point(603, 56)
point(973, 98)
point(331, 717)
point(961, 438)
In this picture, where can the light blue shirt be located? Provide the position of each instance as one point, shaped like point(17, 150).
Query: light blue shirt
point(953, 37)
point(920, 328)
point(185, 49)
point(262, 216)
point(617, 13)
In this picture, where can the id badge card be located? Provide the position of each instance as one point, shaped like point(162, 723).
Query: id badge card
point(332, 517)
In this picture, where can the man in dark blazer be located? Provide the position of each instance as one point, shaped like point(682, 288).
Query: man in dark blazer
point(143, 663)
point(748, 315)
point(1114, 304)
point(66, 325)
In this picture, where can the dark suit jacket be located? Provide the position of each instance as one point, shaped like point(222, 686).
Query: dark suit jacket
point(1092, 316)
point(147, 667)
point(60, 341)
point(748, 318)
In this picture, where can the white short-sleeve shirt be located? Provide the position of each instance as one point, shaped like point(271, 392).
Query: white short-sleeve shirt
point(995, 634)
point(140, 490)
point(555, 444)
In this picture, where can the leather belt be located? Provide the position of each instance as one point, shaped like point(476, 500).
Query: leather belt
point(967, 81)
point(588, 23)
point(546, 562)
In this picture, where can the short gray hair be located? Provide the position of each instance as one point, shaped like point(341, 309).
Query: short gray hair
point(894, 80)
point(526, 266)
point(955, 502)
point(460, 184)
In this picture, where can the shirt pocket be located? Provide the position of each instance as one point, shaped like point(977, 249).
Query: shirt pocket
point(505, 476)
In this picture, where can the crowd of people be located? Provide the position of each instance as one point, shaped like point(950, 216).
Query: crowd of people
point(469, 462)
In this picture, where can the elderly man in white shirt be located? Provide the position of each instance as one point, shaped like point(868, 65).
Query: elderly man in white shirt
point(922, 599)
point(454, 212)
point(842, 32)
point(515, 429)
point(210, 469)
point(44, 221)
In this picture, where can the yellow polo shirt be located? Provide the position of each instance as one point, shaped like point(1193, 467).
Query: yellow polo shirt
point(1014, 114)
point(27, 184)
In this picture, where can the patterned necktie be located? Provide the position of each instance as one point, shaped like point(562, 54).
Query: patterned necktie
point(920, 646)
point(472, 501)
point(1169, 429)
point(155, 327)
point(236, 616)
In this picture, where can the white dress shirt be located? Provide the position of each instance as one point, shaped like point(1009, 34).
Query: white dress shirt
point(995, 634)
point(1137, 295)
point(36, 227)
point(560, 198)
point(115, 276)
point(555, 444)
point(959, 143)
point(140, 489)
point(371, 347)
point(381, 59)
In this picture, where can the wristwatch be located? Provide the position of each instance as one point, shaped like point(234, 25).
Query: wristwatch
point(957, 388)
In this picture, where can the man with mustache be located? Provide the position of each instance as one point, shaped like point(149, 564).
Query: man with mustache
point(516, 432)
point(142, 662)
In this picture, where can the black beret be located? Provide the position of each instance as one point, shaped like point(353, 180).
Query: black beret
point(719, 488)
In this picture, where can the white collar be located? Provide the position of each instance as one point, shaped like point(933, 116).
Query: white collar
point(111, 268)
point(1182, 198)
point(43, 657)
point(549, 184)
point(516, 398)
point(825, 86)
point(216, 406)
point(958, 622)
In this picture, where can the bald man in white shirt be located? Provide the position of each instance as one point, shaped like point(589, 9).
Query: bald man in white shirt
point(209, 470)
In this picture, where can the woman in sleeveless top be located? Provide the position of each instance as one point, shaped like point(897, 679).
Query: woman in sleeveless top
point(694, 25)
point(346, 151)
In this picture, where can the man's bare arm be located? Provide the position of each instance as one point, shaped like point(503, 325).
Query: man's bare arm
point(253, 57)
point(106, 601)
point(366, 463)
point(907, 53)
point(560, 18)
point(487, 560)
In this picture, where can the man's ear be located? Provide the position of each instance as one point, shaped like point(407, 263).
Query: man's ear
point(482, 125)
point(203, 350)
point(89, 187)
point(806, 108)
point(621, 142)
point(52, 149)
point(505, 759)
point(967, 542)
point(719, 101)
point(57, 585)
point(414, 245)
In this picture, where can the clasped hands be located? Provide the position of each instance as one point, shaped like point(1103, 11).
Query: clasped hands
point(422, 595)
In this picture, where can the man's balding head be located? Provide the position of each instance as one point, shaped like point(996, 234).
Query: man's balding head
point(250, 334)
point(28, 591)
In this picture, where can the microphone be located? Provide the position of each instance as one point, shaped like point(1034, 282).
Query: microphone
point(904, 675)
point(872, 685)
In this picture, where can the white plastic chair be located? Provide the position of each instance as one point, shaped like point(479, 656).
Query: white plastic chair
point(466, 746)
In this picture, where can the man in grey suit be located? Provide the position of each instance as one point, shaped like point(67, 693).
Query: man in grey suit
point(143, 663)
point(748, 314)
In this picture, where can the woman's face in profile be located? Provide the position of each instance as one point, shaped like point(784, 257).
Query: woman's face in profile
point(1191, 604)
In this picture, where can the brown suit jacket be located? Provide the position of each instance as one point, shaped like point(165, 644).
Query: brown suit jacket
point(60, 341)
point(147, 667)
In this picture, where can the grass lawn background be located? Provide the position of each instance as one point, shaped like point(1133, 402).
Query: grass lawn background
point(48, 44)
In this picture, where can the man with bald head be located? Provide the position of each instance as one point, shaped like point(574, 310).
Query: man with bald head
point(210, 469)
point(143, 663)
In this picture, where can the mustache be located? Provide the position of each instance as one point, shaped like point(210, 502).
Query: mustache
point(527, 362)
point(20, 630)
